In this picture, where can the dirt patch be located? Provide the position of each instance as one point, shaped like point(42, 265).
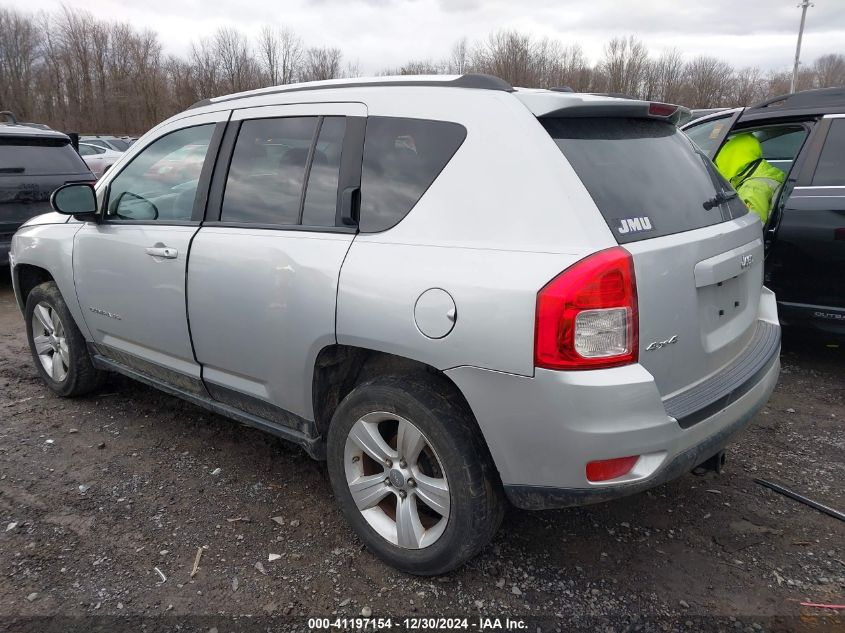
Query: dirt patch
point(125, 493)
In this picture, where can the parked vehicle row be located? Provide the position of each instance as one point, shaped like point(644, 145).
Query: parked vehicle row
point(99, 159)
point(113, 143)
point(453, 291)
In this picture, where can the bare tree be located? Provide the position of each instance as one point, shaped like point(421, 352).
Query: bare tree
point(458, 62)
point(747, 87)
point(280, 54)
point(506, 54)
point(707, 82)
point(78, 72)
point(321, 63)
point(624, 64)
point(19, 52)
point(829, 70)
point(237, 67)
point(668, 71)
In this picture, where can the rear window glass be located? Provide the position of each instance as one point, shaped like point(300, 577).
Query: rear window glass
point(831, 168)
point(39, 157)
point(402, 157)
point(645, 176)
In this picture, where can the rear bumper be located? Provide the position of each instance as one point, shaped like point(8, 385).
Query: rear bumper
point(727, 423)
point(542, 431)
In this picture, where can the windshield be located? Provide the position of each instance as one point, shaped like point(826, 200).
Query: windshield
point(644, 175)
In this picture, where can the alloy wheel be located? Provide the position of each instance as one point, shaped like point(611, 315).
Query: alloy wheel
point(397, 480)
point(48, 336)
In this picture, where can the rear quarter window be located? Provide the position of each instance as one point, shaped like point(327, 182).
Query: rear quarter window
point(402, 157)
point(645, 176)
point(32, 156)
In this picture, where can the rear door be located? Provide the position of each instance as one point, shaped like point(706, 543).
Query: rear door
point(698, 258)
point(807, 259)
point(263, 273)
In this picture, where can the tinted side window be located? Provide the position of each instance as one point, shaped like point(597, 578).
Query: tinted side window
point(268, 170)
point(321, 191)
point(402, 157)
point(161, 181)
point(831, 168)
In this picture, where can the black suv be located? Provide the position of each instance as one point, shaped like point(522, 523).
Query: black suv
point(33, 162)
point(802, 134)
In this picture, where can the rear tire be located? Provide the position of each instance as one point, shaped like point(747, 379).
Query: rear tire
point(58, 347)
point(429, 494)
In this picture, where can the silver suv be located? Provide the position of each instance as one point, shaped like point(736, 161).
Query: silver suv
point(455, 292)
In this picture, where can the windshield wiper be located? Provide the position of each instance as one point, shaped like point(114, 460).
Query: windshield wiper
point(720, 198)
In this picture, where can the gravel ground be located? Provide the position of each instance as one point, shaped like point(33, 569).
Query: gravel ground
point(103, 498)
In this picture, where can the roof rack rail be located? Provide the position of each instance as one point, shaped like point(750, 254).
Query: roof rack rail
point(471, 80)
point(561, 89)
point(10, 116)
point(804, 99)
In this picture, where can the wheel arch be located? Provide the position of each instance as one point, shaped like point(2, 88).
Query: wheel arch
point(338, 369)
point(27, 277)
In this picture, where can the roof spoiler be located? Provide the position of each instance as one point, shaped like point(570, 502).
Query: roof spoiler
point(671, 113)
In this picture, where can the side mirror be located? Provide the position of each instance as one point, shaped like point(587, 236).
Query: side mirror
point(76, 199)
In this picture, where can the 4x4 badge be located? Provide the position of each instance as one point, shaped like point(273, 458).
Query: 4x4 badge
point(661, 344)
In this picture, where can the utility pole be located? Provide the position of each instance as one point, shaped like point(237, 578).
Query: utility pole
point(805, 4)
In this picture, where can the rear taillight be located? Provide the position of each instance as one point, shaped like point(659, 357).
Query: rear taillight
point(587, 315)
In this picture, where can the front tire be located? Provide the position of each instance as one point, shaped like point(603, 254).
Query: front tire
point(58, 347)
point(412, 474)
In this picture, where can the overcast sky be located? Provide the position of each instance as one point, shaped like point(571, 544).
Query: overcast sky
point(385, 33)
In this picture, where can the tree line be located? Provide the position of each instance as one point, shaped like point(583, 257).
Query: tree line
point(76, 72)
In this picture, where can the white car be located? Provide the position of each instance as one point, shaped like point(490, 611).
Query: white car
point(98, 159)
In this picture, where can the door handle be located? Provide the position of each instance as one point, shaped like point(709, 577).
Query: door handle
point(162, 251)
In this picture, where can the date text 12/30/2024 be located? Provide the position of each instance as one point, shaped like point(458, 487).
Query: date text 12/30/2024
point(417, 624)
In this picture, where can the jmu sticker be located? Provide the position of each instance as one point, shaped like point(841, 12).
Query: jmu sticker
point(634, 225)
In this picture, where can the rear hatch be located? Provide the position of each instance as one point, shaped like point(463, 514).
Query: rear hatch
point(698, 256)
point(31, 168)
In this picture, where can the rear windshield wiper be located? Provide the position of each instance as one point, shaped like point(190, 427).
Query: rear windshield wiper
point(720, 198)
